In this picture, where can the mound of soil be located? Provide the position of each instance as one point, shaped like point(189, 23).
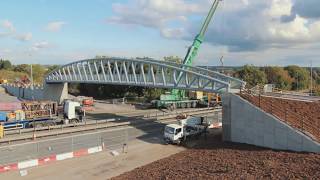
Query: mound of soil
point(214, 159)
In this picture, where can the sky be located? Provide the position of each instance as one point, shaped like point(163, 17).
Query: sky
point(258, 32)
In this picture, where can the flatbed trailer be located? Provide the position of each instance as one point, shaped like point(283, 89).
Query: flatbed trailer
point(40, 122)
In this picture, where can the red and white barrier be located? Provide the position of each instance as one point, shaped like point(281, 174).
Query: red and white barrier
point(27, 164)
point(64, 156)
point(94, 149)
point(49, 159)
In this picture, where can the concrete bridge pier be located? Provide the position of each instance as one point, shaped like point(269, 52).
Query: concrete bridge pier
point(55, 92)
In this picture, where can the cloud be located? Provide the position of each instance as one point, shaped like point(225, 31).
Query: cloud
point(24, 37)
point(8, 25)
point(173, 32)
point(154, 14)
point(10, 31)
point(8, 28)
point(55, 26)
point(246, 25)
point(306, 9)
point(41, 45)
point(260, 26)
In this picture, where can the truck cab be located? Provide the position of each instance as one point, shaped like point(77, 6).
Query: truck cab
point(72, 111)
point(173, 133)
point(186, 127)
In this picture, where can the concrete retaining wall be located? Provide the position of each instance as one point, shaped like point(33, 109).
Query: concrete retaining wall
point(245, 123)
point(25, 93)
point(53, 92)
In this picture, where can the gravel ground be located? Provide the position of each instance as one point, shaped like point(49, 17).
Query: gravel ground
point(214, 159)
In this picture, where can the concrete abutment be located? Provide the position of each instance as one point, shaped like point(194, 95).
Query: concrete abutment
point(243, 122)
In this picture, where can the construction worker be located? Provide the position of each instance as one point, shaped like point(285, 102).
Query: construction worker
point(1, 131)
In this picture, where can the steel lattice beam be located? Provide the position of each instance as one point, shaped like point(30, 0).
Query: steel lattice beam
point(147, 73)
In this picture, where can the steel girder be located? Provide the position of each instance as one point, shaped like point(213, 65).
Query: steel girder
point(146, 73)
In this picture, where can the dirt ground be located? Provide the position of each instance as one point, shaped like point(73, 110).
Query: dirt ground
point(213, 159)
point(99, 166)
point(113, 108)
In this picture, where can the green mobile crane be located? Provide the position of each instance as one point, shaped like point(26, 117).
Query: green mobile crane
point(177, 98)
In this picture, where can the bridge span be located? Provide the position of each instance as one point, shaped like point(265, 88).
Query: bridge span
point(130, 72)
point(146, 73)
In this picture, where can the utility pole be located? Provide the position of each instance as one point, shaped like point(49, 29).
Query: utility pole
point(31, 78)
point(311, 88)
point(297, 81)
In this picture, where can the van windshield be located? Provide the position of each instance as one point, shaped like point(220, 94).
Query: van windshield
point(169, 130)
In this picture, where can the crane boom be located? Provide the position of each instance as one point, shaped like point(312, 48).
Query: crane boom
point(177, 95)
point(193, 49)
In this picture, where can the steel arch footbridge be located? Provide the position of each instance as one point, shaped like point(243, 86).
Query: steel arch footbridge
point(143, 72)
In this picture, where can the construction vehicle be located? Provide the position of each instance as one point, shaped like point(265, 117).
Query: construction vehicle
point(31, 114)
point(177, 98)
point(185, 128)
point(40, 114)
point(87, 103)
point(73, 111)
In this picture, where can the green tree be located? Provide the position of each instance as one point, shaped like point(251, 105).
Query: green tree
point(316, 76)
point(5, 64)
point(153, 93)
point(300, 77)
point(279, 77)
point(252, 75)
point(22, 68)
point(174, 59)
point(38, 73)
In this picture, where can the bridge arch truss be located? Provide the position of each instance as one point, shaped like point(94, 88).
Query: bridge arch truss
point(146, 73)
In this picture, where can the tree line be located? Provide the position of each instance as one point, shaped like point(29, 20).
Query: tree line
point(285, 78)
point(12, 72)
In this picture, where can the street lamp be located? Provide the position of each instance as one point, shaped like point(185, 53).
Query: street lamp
point(31, 79)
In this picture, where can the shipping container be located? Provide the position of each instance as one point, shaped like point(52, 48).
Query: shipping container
point(12, 106)
point(3, 116)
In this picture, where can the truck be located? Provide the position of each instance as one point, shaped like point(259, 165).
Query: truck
point(177, 98)
point(34, 114)
point(30, 114)
point(186, 127)
point(72, 111)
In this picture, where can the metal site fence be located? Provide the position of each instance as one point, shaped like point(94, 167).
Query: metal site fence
point(89, 123)
point(124, 100)
point(113, 139)
point(302, 115)
point(44, 148)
